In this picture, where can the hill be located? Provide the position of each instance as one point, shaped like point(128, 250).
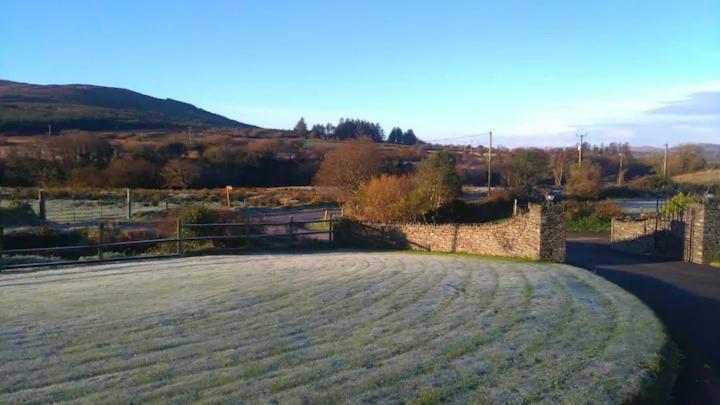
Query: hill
point(710, 151)
point(709, 177)
point(30, 108)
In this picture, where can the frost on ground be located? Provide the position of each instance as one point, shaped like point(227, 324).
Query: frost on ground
point(340, 327)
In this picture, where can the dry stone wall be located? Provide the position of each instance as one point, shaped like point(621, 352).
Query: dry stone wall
point(702, 232)
point(648, 236)
point(633, 235)
point(537, 234)
point(696, 238)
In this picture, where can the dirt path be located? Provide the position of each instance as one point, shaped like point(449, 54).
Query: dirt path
point(685, 296)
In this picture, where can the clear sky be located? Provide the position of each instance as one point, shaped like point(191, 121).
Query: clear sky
point(534, 72)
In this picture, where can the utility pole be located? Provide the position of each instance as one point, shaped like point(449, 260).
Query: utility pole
point(489, 165)
point(189, 134)
point(50, 129)
point(665, 163)
point(580, 147)
point(621, 176)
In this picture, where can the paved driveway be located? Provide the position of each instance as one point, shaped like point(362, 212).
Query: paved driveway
point(685, 296)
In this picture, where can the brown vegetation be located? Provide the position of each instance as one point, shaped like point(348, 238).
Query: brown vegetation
point(348, 165)
point(584, 180)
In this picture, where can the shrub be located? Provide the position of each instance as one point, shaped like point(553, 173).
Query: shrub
point(584, 181)
point(406, 198)
point(348, 165)
point(384, 199)
point(436, 181)
point(590, 216)
point(679, 203)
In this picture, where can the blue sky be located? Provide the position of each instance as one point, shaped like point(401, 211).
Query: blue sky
point(647, 72)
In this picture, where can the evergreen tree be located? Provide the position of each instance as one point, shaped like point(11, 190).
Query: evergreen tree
point(353, 129)
point(395, 135)
point(317, 131)
point(409, 138)
point(301, 128)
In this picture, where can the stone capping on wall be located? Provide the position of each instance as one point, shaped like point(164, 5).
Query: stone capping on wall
point(537, 234)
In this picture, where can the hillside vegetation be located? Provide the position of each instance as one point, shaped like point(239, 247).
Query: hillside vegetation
point(30, 108)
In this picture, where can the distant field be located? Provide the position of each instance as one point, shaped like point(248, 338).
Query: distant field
point(705, 177)
point(342, 327)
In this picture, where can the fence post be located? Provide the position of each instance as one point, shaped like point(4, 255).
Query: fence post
point(128, 198)
point(325, 215)
point(41, 204)
point(332, 229)
point(2, 236)
point(228, 189)
point(101, 240)
point(179, 237)
point(291, 224)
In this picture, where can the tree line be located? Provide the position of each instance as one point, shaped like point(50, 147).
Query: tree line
point(176, 161)
point(354, 129)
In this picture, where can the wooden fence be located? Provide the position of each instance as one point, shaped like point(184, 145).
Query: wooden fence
point(180, 240)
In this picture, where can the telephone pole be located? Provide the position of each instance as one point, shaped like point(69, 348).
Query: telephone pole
point(665, 163)
point(580, 147)
point(621, 175)
point(489, 165)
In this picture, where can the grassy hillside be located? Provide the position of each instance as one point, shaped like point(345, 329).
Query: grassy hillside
point(704, 177)
point(29, 108)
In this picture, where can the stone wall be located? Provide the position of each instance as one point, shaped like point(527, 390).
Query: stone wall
point(537, 234)
point(647, 236)
point(633, 235)
point(696, 238)
point(702, 232)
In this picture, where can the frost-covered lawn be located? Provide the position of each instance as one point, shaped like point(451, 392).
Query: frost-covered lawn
point(355, 327)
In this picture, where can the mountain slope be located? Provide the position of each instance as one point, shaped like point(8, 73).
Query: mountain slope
point(710, 151)
point(30, 108)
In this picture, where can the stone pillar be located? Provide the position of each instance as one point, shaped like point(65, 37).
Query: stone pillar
point(702, 232)
point(552, 233)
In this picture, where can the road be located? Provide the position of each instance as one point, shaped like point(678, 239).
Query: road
point(685, 296)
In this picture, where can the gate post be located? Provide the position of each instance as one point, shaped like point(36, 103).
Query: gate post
point(179, 237)
point(101, 239)
point(41, 204)
point(128, 199)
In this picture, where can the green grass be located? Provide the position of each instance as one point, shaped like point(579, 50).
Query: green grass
point(325, 328)
point(318, 226)
point(588, 224)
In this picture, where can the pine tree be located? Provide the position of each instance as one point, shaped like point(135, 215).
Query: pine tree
point(301, 128)
point(395, 135)
point(409, 138)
